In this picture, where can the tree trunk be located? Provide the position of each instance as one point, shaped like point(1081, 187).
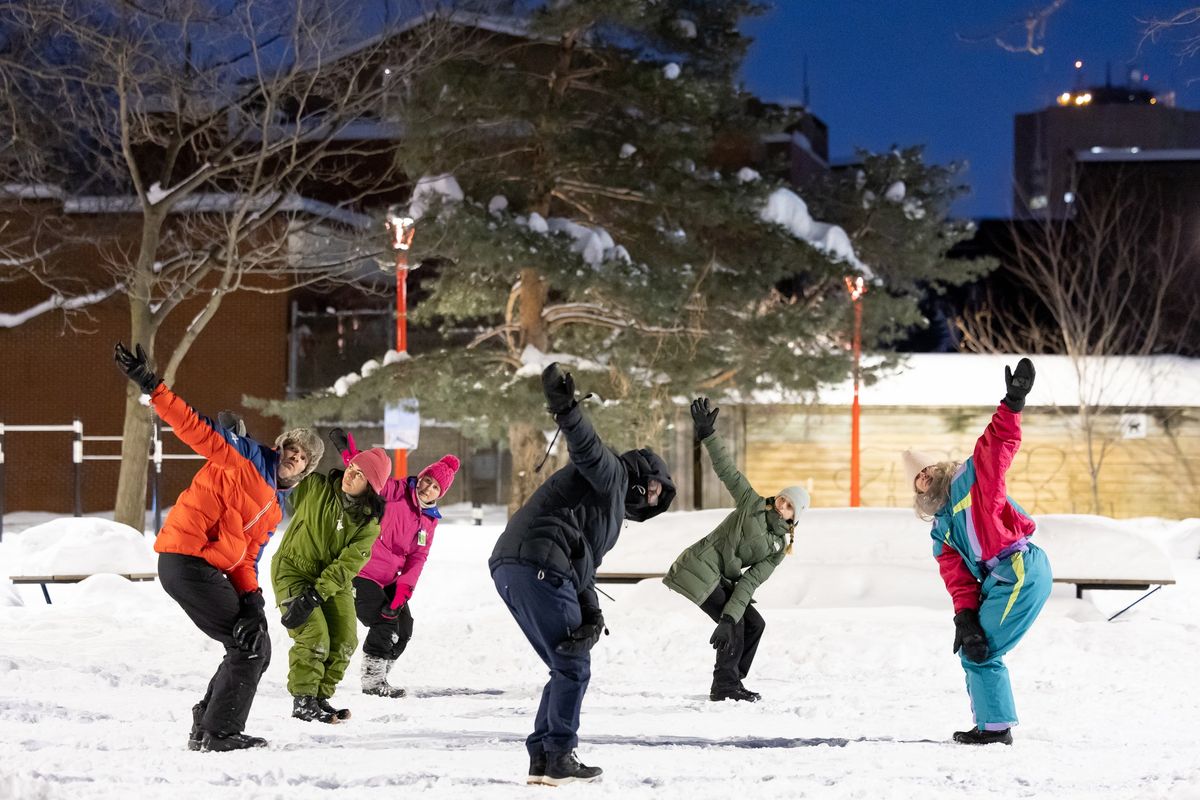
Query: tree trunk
point(527, 445)
point(130, 505)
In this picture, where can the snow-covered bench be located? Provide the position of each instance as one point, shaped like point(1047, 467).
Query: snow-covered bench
point(881, 556)
point(45, 580)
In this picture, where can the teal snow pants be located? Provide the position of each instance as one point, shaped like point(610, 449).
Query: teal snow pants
point(1012, 596)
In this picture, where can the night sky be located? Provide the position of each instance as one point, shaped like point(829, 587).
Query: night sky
point(884, 72)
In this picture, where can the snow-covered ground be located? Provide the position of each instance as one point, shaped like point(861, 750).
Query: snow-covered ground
point(860, 690)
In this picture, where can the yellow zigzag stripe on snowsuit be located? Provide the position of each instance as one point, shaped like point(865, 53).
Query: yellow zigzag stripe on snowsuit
point(1018, 562)
point(959, 506)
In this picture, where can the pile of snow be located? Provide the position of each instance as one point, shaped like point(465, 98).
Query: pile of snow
point(82, 546)
point(785, 207)
point(533, 361)
point(431, 189)
point(591, 243)
point(8, 593)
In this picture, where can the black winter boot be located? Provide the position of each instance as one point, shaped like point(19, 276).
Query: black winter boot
point(734, 693)
point(305, 707)
point(216, 743)
point(976, 736)
point(340, 713)
point(537, 768)
point(565, 768)
point(197, 734)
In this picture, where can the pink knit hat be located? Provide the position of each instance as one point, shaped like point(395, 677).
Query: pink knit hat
point(376, 465)
point(442, 471)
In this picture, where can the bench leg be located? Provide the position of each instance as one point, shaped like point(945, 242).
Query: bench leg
point(1134, 603)
point(46, 594)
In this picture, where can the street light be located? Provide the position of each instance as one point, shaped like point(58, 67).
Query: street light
point(857, 288)
point(402, 228)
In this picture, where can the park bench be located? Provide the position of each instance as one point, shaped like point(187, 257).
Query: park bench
point(1081, 584)
point(45, 580)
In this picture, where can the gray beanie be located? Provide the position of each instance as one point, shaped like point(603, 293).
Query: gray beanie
point(308, 441)
point(798, 496)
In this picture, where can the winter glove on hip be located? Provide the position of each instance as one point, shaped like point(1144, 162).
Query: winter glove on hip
point(136, 367)
point(581, 639)
point(299, 609)
point(344, 442)
point(704, 418)
point(1018, 383)
point(559, 388)
point(969, 636)
point(387, 612)
point(722, 638)
point(250, 629)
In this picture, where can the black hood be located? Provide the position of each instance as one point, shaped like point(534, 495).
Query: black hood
point(643, 465)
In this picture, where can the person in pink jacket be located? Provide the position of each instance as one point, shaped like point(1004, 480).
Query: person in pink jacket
point(384, 586)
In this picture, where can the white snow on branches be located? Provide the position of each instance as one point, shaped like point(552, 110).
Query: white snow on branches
point(671, 71)
point(785, 207)
point(57, 301)
point(429, 190)
point(685, 28)
point(533, 361)
point(895, 192)
point(497, 204)
point(627, 150)
point(747, 175)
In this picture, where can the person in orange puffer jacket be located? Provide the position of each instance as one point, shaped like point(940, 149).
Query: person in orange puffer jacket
point(210, 545)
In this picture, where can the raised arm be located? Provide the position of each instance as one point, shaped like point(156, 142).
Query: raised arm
point(704, 418)
point(997, 447)
point(599, 465)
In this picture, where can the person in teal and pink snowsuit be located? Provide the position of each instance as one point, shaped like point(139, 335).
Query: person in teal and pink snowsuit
point(998, 579)
point(386, 582)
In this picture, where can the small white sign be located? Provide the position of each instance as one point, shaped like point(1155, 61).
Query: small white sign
point(401, 425)
point(1134, 426)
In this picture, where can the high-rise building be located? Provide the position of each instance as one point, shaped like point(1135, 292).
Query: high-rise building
point(1049, 145)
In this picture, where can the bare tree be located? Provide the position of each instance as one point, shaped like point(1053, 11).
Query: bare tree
point(1106, 285)
point(1024, 35)
point(247, 139)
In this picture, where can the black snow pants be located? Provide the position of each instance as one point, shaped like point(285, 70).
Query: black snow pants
point(385, 639)
point(731, 668)
point(210, 600)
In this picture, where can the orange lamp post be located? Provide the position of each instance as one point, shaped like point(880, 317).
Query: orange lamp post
point(401, 226)
point(857, 289)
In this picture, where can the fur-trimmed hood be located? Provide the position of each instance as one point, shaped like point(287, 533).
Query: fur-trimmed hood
point(308, 441)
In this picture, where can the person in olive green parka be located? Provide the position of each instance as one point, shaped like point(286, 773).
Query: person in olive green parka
point(335, 521)
point(720, 572)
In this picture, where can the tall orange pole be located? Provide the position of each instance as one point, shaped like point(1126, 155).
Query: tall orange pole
point(857, 289)
point(402, 230)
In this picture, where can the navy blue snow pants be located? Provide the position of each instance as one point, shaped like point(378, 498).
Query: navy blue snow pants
point(547, 609)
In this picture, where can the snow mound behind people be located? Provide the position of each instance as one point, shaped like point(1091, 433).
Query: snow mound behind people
point(82, 546)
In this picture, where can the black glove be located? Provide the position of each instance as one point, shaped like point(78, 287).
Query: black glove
point(1018, 383)
point(231, 422)
point(969, 635)
point(251, 626)
point(136, 367)
point(386, 612)
point(581, 639)
point(704, 418)
point(297, 610)
point(340, 440)
point(722, 638)
point(559, 388)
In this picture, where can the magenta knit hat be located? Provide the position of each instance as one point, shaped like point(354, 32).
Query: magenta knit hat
point(376, 465)
point(442, 471)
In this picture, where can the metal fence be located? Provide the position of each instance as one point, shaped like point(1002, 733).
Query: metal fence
point(79, 458)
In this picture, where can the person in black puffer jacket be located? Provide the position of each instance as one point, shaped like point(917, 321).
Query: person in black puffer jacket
point(544, 567)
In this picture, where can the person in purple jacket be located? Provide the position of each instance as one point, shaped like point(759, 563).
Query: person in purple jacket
point(383, 587)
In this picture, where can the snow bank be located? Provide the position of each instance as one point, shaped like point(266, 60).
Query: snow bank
point(8, 593)
point(82, 546)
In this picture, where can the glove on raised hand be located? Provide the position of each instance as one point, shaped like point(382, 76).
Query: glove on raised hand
point(300, 608)
point(969, 635)
point(344, 443)
point(722, 638)
point(704, 418)
point(136, 367)
point(581, 639)
point(1018, 384)
point(559, 388)
point(232, 422)
point(251, 625)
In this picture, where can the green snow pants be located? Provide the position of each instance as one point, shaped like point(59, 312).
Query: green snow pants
point(322, 647)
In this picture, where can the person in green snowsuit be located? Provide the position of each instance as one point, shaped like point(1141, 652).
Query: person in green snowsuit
point(720, 572)
point(335, 521)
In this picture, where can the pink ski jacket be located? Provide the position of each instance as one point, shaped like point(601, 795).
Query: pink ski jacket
point(399, 554)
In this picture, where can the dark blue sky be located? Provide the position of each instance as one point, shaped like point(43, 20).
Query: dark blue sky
point(884, 72)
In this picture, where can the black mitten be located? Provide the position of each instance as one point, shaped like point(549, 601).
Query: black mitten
point(1018, 384)
point(722, 638)
point(299, 609)
point(251, 625)
point(704, 418)
point(559, 388)
point(969, 635)
point(581, 639)
point(136, 367)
